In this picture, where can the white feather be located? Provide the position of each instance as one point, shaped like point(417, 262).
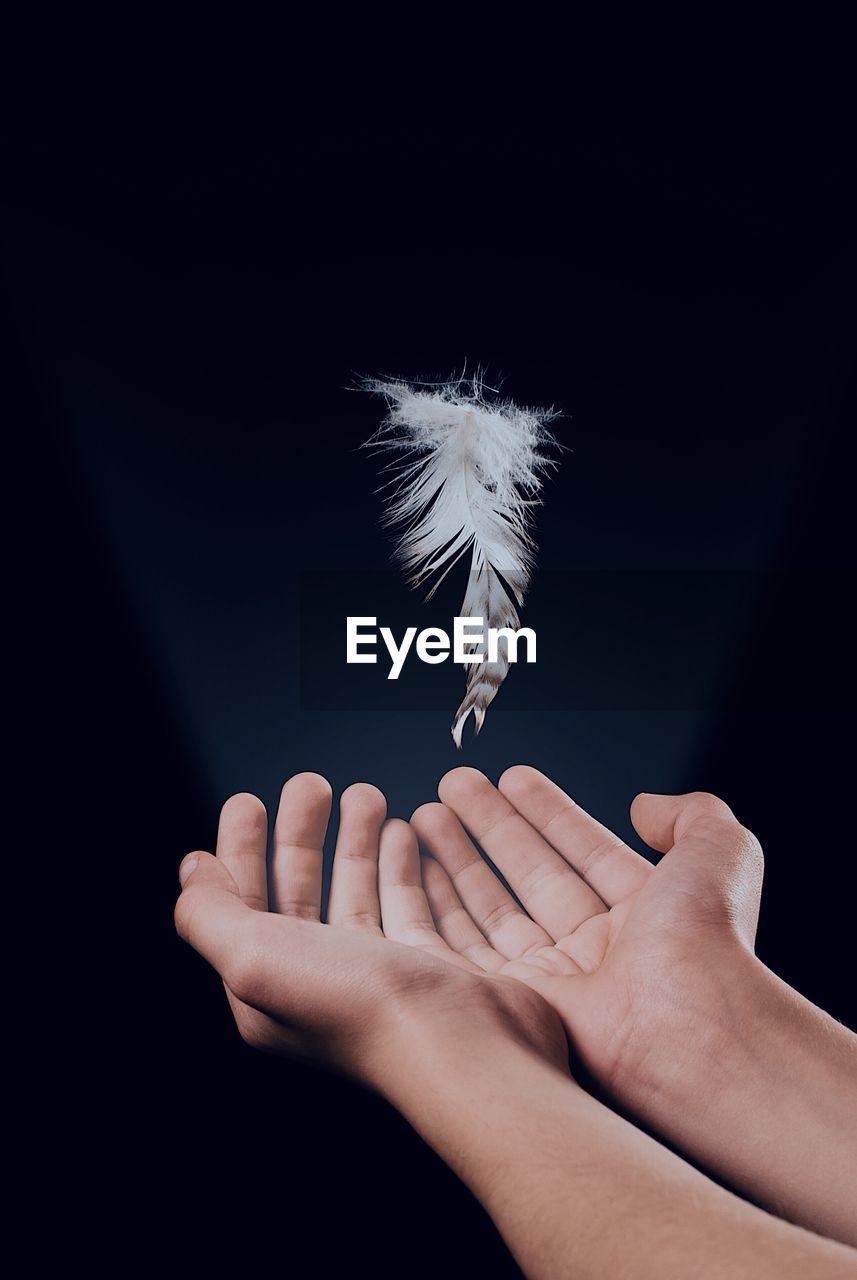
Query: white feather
point(469, 476)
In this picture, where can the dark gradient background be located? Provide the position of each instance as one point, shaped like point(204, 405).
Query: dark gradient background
point(193, 293)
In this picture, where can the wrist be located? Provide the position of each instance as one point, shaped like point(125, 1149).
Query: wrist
point(458, 1035)
point(757, 1085)
point(740, 1030)
point(473, 1093)
point(701, 1041)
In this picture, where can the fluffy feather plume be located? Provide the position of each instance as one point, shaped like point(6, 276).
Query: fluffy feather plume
point(467, 476)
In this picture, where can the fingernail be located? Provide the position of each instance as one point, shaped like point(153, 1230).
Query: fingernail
point(187, 867)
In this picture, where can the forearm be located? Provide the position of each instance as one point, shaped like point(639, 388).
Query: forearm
point(576, 1190)
point(770, 1100)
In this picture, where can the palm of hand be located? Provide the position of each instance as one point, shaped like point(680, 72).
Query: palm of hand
point(613, 943)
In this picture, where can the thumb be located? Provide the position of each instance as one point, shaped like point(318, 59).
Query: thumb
point(662, 820)
point(209, 909)
point(703, 840)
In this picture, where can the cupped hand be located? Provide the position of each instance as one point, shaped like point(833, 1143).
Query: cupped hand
point(344, 992)
point(636, 959)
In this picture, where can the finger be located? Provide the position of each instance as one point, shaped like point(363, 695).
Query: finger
point(299, 833)
point(700, 834)
point(453, 922)
point(404, 907)
point(242, 838)
point(209, 912)
point(551, 891)
point(603, 860)
point(354, 889)
point(492, 908)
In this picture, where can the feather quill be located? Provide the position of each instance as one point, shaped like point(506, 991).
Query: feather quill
point(467, 473)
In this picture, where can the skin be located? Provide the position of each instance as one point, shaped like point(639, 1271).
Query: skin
point(476, 1060)
point(652, 972)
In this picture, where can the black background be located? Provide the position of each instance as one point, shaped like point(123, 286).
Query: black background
point(199, 266)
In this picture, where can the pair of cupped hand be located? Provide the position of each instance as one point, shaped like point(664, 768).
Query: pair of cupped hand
point(595, 948)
